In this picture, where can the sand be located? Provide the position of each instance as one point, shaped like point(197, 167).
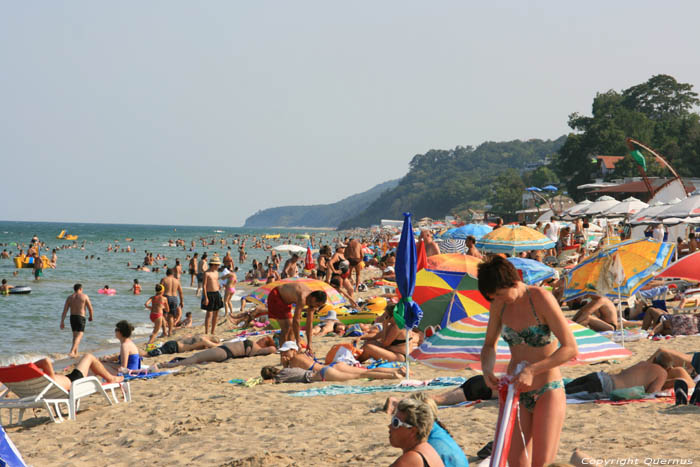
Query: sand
point(195, 417)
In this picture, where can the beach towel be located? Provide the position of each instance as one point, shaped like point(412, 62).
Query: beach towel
point(140, 374)
point(249, 383)
point(339, 389)
point(461, 404)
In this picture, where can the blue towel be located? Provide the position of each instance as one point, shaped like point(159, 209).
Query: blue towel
point(339, 389)
point(146, 375)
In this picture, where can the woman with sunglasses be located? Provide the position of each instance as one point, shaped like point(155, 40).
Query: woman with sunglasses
point(529, 318)
point(409, 430)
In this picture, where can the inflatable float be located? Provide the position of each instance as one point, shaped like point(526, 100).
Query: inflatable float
point(25, 261)
point(63, 236)
point(107, 291)
point(344, 315)
point(20, 290)
point(271, 236)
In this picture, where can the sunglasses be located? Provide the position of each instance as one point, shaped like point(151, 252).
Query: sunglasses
point(396, 423)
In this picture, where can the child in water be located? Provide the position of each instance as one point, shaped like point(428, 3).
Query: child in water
point(158, 305)
point(136, 288)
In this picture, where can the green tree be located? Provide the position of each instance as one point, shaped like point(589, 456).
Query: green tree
point(540, 177)
point(507, 192)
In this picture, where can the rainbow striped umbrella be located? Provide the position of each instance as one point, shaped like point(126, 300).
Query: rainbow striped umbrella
point(641, 260)
point(447, 296)
point(260, 294)
point(458, 346)
point(513, 239)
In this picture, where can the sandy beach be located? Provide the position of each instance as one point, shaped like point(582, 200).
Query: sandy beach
point(196, 417)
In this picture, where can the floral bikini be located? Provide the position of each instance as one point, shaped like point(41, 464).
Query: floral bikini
point(538, 335)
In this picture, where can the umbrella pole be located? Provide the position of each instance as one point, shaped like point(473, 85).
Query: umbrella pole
point(619, 312)
point(407, 363)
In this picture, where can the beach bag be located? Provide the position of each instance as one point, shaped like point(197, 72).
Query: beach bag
point(628, 394)
point(684, 325)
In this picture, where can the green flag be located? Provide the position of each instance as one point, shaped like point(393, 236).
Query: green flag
point(639, 159)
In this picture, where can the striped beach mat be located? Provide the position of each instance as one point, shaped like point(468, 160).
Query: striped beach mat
point(458, 346)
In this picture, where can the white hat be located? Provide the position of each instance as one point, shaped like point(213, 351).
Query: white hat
point(289, 345)
point(331, 316)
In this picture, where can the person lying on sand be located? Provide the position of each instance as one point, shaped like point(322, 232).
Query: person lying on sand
point(669, 358)
point(228, 350)
point(291, 358)
point(652, 377)
point(185, 344)
point(86, 365)
point(185, 323)
point(473, 389)
point(363, 331)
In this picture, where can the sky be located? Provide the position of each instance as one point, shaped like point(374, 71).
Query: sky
point(202, 113)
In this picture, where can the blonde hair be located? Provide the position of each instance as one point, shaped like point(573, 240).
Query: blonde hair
point(418, 414)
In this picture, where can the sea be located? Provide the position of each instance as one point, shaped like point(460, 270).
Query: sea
point(29, 324)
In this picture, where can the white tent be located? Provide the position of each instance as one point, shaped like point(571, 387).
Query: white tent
point(603, 203)
point(625, 208)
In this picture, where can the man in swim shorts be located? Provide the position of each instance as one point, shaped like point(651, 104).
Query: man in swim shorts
point(76, 303)
point(186, 344)
point(211, 298)
point(649, 375)
point(202, 267)
point(279, 306)
point(353, 253)
point(172, 288)
point(193, 269)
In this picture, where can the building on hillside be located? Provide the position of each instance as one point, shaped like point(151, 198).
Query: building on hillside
point(606, 164)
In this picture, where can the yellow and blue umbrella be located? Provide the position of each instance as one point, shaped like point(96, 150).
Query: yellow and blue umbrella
point(638, 262)
point(514, 239)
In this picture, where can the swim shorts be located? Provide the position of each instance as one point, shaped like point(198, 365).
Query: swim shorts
point(215, 302)
point(75, 374)
point(475, 388)
point(38, 273)
point(200, 277)
point(276, 307)
point(173, 303)
point(591, 383)
point(696, 361)
point(165, 349)
point(191, 272)
point(77, 323)
point(354, 262)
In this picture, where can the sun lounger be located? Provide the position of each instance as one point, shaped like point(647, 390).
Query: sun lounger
point(35, 389)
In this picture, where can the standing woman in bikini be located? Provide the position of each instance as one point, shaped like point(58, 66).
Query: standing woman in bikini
point(529, 318)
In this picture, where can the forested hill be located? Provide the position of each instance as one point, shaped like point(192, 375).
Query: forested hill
point(442, 182)
point(319, 215)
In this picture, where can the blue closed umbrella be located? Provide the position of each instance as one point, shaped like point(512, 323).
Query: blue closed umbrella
point(461, 233)
point(407, 313)
point(532, 271)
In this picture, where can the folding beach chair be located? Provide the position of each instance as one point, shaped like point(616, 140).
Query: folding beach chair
point(35, 389)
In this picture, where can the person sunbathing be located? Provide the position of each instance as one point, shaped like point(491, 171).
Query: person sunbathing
point(339, 371)
point(364, 331)
point(89, 363)
point(651, 376)
point(329, 327)
point(185, 344)
point(473, 389)
point(599, 314)
point(392, 346)
point(228, 350)
point(669, 358)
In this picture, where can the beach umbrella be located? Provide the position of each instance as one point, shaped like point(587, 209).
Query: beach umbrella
point(648, 214)
point(532, 271)
point(533, 188)
point(689, 207)
point(454, 262)
point(550, 188)
point(407, 313)
point(447, 296)
point(290, 248)
point(260, 294)
point(513, 239)
point(574, 210)
point(687, 268)
point(9, 455)
point(452, 245)
point(601, 204)
point(640, 261)
point(461, 233)
point(625, 208)
point(458, 346)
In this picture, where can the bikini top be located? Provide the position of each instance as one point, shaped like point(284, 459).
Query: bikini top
point(537, 335)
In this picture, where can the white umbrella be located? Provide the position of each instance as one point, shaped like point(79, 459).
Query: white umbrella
point(601, 204)
point(290, 248)
point(575, 209)
point(689, 207)
point(646, 215)
point(625, 208)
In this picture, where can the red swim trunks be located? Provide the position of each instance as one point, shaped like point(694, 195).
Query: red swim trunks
point(276, 307)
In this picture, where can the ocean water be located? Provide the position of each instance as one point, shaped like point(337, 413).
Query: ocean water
point(29, 324)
